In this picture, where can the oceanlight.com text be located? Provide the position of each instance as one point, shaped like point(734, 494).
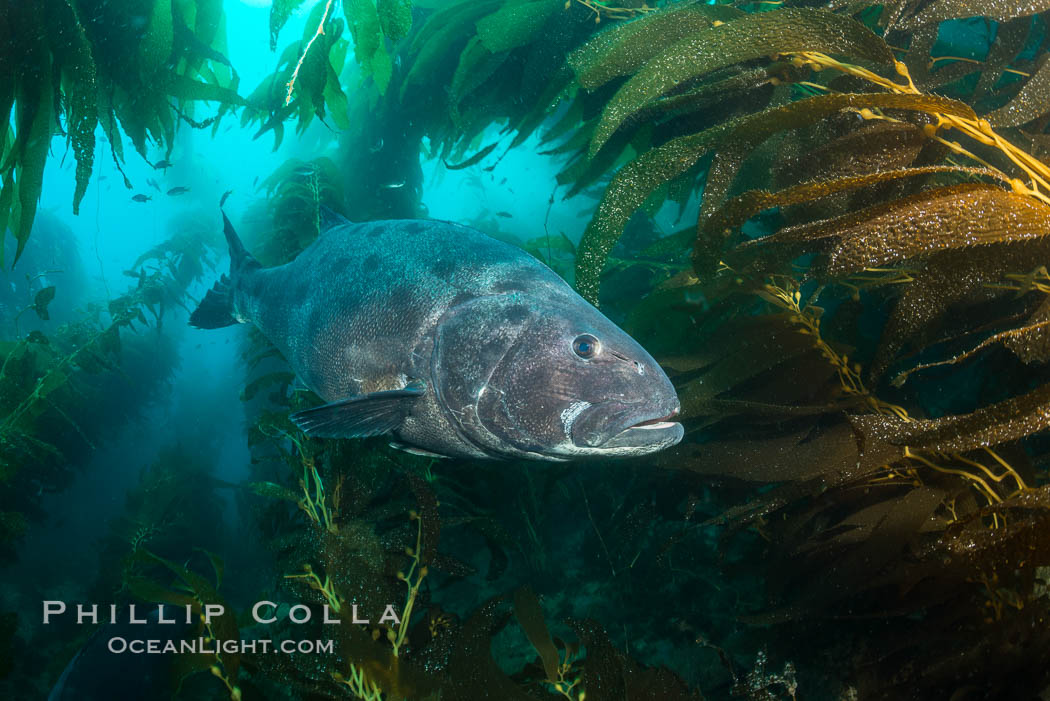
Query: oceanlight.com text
point(195, 646)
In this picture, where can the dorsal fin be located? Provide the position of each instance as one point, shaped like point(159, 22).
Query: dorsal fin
point(331, 218)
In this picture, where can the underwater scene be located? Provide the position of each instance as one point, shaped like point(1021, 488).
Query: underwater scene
point(510, 350)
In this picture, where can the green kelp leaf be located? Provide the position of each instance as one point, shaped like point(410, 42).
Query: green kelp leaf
point(1006, 421)
point(749, 37)
point(516, 24)
point(365, 29)
point(923, 224)
point(1032, 101)
point(72, 53)
point(155, 49)
point(558, 88)
point(395, 16)
point(382, 69)
point(442, 32)
point(223, 627)
point(622, 49)
point(314, 73)
point(453, 14)
point(280, 379)
point(999, 10)
point(109, 340)
point(210, 24)
point(476, 65)
point(637, 180)
point(30, 169)
point(148, 590)
point(280, 12)
point(476, 158)
point(273, 491)
point(334, 97)
point(189, 90)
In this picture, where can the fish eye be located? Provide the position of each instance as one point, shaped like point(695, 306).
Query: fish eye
point(586, 346)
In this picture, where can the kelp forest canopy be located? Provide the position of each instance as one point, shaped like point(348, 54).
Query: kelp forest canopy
point(854, 306)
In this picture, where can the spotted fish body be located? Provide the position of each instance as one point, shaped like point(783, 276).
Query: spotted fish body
point(449, 342)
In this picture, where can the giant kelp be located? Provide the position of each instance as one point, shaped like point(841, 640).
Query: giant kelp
point(65, 64)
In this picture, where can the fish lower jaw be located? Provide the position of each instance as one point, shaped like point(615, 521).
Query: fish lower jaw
point(638, 440)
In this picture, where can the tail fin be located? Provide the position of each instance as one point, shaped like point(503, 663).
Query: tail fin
point(216, 309)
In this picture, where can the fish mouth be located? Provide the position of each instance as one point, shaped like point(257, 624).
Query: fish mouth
point(627, 430)
point(660, 423)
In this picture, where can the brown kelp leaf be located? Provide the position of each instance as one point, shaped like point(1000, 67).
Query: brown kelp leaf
point(715, 92)
point(637, 180)
point(746, 383)
point(886, 530)
point(1008, 420)
point(603, 666)
point(958, 216)
point(529, 613)
point(741, 208)
point(749, 37)
point(1030, 343)
point(833, 454)
point(1010, 40)
point(472, 673)
point(622, 49)
point(1033, 100)
point(998, 10)
point(950, 277)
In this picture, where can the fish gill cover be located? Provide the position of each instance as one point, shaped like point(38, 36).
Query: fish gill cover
point(828, 222)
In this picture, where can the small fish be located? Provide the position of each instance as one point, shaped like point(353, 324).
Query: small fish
point(178, 191)
point(503, 182)
point(153, 183)
point(449, 342)
point(225, 196)
point(393, 186)
point(505, 215)
point(162, 165)
point(377, 146)
point(142, 198)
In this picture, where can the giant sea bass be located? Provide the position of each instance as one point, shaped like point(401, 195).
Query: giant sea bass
point(449, 342)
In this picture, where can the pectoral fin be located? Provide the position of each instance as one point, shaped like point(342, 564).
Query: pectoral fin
point(359, 417)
